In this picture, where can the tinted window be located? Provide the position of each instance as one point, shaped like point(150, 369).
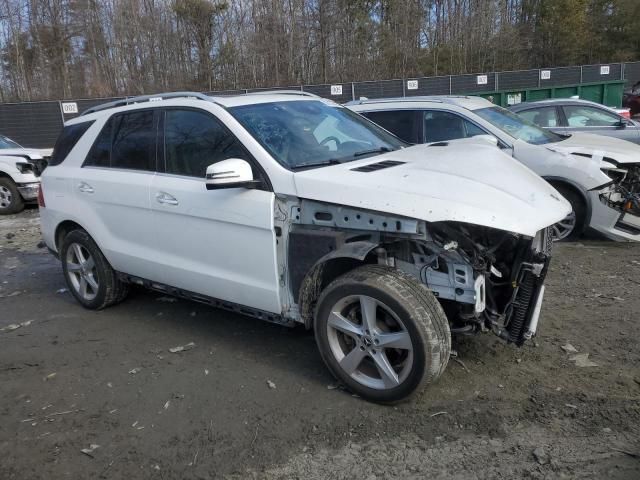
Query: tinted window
point(67, 140)
point(543, 117)
point(134, 141)
point(309, 133)
point(402, 123)
point(100, 153)
point(441, 126)
point(579, 116)
point(195, 140)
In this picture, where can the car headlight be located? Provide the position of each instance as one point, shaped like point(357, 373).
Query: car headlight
point(24, 167)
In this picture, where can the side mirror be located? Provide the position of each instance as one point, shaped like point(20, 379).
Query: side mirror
point(230, 173)
point(487, 138)
point(622, 124)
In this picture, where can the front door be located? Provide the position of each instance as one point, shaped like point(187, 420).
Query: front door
point(219, 243)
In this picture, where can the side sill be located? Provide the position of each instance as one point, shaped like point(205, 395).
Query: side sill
point(214, 302)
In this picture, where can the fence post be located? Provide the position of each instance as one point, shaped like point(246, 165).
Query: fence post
point(404, 82)
point(539, 75)
point(622, 70)
point(61, 111)
point(580, 73)
point(450, 89)
point(495, 81)
point(353, 91)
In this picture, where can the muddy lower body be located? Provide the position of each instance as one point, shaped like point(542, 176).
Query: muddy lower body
point(111, 394)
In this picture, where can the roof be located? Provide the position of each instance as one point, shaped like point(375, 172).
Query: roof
point(178, 98)
point(468, 102)
point(555, 101)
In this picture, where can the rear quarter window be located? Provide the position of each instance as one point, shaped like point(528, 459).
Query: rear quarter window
point(67, 140)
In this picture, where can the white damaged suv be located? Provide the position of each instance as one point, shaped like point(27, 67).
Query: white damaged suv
point(294, 210)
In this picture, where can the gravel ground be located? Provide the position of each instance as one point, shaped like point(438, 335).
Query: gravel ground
point(253, 400)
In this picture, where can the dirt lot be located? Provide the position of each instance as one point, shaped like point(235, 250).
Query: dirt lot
point(71, 378)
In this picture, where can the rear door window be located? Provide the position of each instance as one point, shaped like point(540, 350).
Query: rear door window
point(100, 153)
point(67, 140)
point(134, 141)
point(544, 117)
point(404, 124)
point(127, 141)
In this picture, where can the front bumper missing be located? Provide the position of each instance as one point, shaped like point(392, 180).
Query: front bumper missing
point(29, 191)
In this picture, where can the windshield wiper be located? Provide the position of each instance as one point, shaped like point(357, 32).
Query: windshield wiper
point(375, 150)
point(331, 161)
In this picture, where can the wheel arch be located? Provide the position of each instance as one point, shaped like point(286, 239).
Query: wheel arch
point(63, 228)
point(328, 268)
point(574, 187)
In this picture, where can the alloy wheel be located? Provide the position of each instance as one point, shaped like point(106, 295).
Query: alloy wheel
point(369, 342)
point(5, 197)
point(565, 227)
point(81, 269)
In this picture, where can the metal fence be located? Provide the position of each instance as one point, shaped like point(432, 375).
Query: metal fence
point(37, 124)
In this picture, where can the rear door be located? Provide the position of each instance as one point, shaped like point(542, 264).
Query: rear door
point(219, 243)
point(112, 189)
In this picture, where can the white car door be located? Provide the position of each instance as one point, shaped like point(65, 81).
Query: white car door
point(112, 191)
point(219, 243)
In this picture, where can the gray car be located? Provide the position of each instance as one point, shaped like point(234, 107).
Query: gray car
point(574, 115)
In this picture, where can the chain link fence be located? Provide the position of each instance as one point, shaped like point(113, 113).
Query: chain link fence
point(37, 124)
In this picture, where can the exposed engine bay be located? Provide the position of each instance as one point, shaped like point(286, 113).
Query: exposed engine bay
point(485, 279)
point(623, 194)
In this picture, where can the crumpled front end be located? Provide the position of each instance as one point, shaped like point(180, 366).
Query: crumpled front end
point(616, 206)
point(485, 279)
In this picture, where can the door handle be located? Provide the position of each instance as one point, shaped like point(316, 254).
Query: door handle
point(165, 198)
point(85, 188)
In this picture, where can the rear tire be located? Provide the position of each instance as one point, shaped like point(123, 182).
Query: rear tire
point(10, 199)
point(571, 227)
point(398, 346)
point(90, 278)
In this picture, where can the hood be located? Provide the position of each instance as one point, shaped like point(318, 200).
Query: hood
point(599, 147)
point(462, 182)
point(32, 153)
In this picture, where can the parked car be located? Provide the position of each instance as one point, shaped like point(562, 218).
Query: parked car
point(631, 99)
point(20, 170)
point(599, 176)
point(567, 115)
point(293, 209)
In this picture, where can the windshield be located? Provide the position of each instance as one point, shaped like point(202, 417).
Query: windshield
point(8, 143)
point(517, 127)
point(303, 134)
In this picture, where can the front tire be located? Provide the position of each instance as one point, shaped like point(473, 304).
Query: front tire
point(90, 278)
point(10, 199)
point(571, 227)
point(381, 333)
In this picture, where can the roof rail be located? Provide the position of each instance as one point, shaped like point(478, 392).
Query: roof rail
point(283, 92)
point(435, 99)
point(147, 98)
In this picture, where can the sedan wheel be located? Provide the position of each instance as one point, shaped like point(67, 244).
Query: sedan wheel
point(565, 227)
